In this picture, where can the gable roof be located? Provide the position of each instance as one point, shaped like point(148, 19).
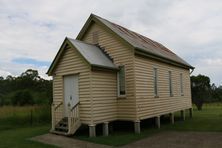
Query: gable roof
point(91, 53)
point(139, 42)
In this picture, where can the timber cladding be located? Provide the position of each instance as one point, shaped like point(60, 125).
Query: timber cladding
point(149, 105)
point(72, 63)
point(98, 91)
point(121, 55)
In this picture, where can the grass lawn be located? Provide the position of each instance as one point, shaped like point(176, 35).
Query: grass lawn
point(19, 137)
point(23, 116)
point(19, 124)
point(209, 119)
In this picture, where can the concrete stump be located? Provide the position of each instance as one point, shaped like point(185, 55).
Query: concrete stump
point(137, 127)
point(105, 129)
point(157, 121)
point(182, 112)
point(92, 130)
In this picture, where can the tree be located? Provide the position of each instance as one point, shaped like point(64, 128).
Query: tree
point(22, 97)
point(217, 93)
point(12, 89)
point(31, 74)
point(200, 87)
point(10, 78)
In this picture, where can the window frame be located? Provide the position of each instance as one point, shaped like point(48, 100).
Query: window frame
point(170, 83)
point(155, 82)
point(118, 82)
point(181, 85)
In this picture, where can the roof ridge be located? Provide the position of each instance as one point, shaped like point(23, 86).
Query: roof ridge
point(80, 41)
point(135, 40)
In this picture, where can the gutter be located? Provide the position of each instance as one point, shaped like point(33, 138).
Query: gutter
point(105, 67)
point(140, 51)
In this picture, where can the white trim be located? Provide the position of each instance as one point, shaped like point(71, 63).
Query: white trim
point(181, 85)
point(118, 83)
point(155, 82)
point(170, 83)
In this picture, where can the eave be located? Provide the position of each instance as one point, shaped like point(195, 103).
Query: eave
point(142, 52)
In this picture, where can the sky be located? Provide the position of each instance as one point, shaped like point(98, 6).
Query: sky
point(32, 31)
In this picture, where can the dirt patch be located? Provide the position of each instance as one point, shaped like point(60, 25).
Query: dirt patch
point(180, 140)
point(161, 140)
point(66, 142)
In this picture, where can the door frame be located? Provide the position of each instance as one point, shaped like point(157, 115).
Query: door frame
point(63, 90)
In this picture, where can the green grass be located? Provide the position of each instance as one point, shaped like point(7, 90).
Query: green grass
point(19, 124)
point(209, 119)
point(23, 116)
point(14, 134)
point(20, 137)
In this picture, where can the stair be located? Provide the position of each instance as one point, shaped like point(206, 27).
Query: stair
point(67, 125)
point(62, 126)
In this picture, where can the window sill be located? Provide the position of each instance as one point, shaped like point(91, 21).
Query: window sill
point(121, 97)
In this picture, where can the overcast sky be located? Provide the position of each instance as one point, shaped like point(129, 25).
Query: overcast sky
point(31, 32)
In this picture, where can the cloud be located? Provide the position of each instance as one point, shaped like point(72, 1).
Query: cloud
point(31, 62)
point(210, 67)
point(35, 29)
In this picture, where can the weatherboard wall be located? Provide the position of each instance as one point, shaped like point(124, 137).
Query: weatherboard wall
point(150, 106)
point(71, 63)
point(121, 55)
point(104, 94)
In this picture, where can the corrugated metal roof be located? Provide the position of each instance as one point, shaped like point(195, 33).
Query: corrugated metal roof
point(93, 54)
point(143, 43)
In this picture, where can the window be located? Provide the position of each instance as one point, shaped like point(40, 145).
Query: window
point(95, 37)
point(155, 82)
point(121, 81)
point(170, 84)
point(181, 84)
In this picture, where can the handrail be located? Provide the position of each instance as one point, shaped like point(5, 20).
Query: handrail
point(58, 105)
point(73, 119)
point(74, 106)
point(55, 112)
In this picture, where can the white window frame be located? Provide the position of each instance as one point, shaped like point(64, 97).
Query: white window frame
point(170, 83)
point(181, 84)
point(118, 83)
point(155, 82)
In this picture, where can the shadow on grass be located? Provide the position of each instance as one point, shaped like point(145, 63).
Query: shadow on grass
point(121, 133)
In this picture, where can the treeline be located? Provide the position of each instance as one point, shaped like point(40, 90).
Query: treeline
point(27, 89)
point(203, 91)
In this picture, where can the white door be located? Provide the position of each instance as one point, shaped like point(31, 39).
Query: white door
point(71, 92)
